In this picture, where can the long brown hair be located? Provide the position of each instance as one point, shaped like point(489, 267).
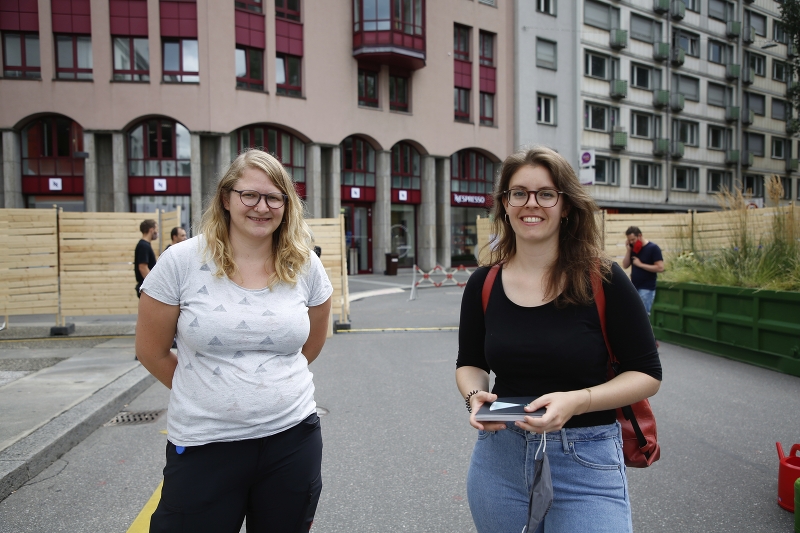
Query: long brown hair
point(580, 248)
point(291, 242)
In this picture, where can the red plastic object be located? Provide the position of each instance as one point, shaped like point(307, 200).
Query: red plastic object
point(788, 473)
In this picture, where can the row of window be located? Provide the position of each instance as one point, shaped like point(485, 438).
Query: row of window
point(647, 175)
point(462, 60)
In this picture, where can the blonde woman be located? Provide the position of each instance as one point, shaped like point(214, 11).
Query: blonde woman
point(541, 336)
point(250, 304)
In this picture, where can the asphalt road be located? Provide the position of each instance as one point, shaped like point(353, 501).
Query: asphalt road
point(397, 442)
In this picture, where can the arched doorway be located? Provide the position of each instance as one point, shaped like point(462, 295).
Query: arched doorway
point(358, 198)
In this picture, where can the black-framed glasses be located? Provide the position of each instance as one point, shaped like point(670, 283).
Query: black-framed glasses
point(274, 200)
point(544, 197)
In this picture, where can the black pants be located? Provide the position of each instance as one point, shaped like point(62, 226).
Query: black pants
point(275, 481)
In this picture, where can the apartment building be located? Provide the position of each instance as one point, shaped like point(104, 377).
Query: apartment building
point(662, 102)
point(392, 112)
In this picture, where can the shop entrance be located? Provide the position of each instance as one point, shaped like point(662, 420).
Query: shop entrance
point(358, 237)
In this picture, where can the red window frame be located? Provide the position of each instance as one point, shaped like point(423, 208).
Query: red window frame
point(249, 81)
point(406, 167)
point(358, 160)
point(399, 96)
point(287, 148)
point(77, 73)
point(461, 42)
point(461, 98)
point(408, 17)
point(471, 172)
point(181, 74)
point(253, 6)
point(364, 97)
point(51, 144)
point(288, 9)
point(23, 71)
point(153, 131)
point(487, 119)
point(403, 16)
point(286, 88)
point(132, 73)
point(486, 45)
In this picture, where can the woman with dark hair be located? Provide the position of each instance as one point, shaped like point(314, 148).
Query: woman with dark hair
point(541, 336)
point(250, 303)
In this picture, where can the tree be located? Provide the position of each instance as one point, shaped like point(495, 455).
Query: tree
point(790, 20)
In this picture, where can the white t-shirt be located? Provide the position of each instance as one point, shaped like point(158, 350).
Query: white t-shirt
point(240, 372)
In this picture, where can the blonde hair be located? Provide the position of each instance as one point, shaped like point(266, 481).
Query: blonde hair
point(580, 242)
point(291, 242)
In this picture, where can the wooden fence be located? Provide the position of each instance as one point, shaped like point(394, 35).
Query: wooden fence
point(76, 264)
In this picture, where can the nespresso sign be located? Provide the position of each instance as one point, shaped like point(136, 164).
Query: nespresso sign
point(471, 199)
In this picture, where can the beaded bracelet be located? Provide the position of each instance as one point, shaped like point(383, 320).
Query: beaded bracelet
point(466, 400)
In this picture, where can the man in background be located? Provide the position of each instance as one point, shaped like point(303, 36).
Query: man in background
point(645, 259)
point(177, 235)
point(144, 258)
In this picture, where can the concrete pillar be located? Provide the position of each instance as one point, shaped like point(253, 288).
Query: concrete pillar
point(89, 174)
point(443, 222)
point(332, 181)
point(12, 171)
point(382, 211)
point(196, 183)
point(426, 236)
point(119, 173)
point(314, 180)
point(209, 165)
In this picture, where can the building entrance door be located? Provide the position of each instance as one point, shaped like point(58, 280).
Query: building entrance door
point(358, 237)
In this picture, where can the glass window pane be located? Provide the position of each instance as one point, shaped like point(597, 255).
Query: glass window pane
point(256, 64)
point(64, 48)
point(136, 143)
point(299, 175)
point(280, 71)
point(272, 142)
point(152, 168)
point(84, 52)
point(286, 149)
point(12, 45)
point(32, 50)
point(183, 141)
point(168, 168)
point(241, 63)
point(122, 56)
point(184, 168)
point(299, 154)
point(190, 60)
point(258, 138)
point(294, 71)
point(166, 139)
point(141, 54)
point(136, 168)
point(172, 58)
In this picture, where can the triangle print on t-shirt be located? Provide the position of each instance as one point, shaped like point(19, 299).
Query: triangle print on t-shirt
point(205, 268)
point(194, 324)
point(202, 290)
point(214, 342)
point(244, 302)
point(266, 342)
point(242, 325)
point(220, 308)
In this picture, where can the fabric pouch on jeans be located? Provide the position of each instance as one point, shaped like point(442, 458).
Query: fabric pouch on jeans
point(542, 490)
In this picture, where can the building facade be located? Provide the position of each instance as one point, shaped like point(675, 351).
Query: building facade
point(676, 99)
point(392, 112)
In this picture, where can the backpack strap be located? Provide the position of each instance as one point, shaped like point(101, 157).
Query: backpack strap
point(600, 302)
point(487, 286)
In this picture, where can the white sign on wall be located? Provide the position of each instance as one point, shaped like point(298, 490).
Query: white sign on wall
point(160, 185)
point(402, 196)
point(54, 184)
point(586, 176)
point(355, 192)
point(587, 158)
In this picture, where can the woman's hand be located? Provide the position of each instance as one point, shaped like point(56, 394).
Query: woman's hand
point(561, 406)
point(476, 401)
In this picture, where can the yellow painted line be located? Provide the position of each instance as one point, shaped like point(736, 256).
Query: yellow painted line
point(65, 337)
point(163, 431)
point(380, 330)
point(142, 522)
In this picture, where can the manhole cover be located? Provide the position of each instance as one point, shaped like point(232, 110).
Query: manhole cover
point(321, 411)
point(128, 418)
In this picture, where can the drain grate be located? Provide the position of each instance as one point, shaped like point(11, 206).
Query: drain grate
point(129, 418)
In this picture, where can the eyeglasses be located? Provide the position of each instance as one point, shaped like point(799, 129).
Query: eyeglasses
point(274, 200)
point(544, 197)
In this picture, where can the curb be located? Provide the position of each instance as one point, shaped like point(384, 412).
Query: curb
point(26, 458)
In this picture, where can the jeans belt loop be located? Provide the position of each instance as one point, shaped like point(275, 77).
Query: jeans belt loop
point(564, 440)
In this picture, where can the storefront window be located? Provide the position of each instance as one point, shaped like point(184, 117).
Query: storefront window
point(403, 234)
point(472, 181)
point(464, 246)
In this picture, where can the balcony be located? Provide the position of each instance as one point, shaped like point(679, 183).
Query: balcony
point(747, 158)
point(678, 10)
point(678, 56)
point(660, 51)
point(748, 117)
point(732, 113)
point(749, 35)
point(619, 140)
point(676, 149)
point(660, 97)
point(747, 75)
point(731, 157)
point(660, 147)
point(390, 41)
point(661, 6)
point(618, 39)
point(677, 102)
point(733, 28)
point(732, 71)
point(791, 165)
point(619, 88)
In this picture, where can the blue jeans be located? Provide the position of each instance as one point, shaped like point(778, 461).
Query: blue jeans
point(647, 296)
point(590, 490)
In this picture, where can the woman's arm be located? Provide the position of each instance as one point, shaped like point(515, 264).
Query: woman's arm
point(468, 379)
point(155, 331)
point(319, 316)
